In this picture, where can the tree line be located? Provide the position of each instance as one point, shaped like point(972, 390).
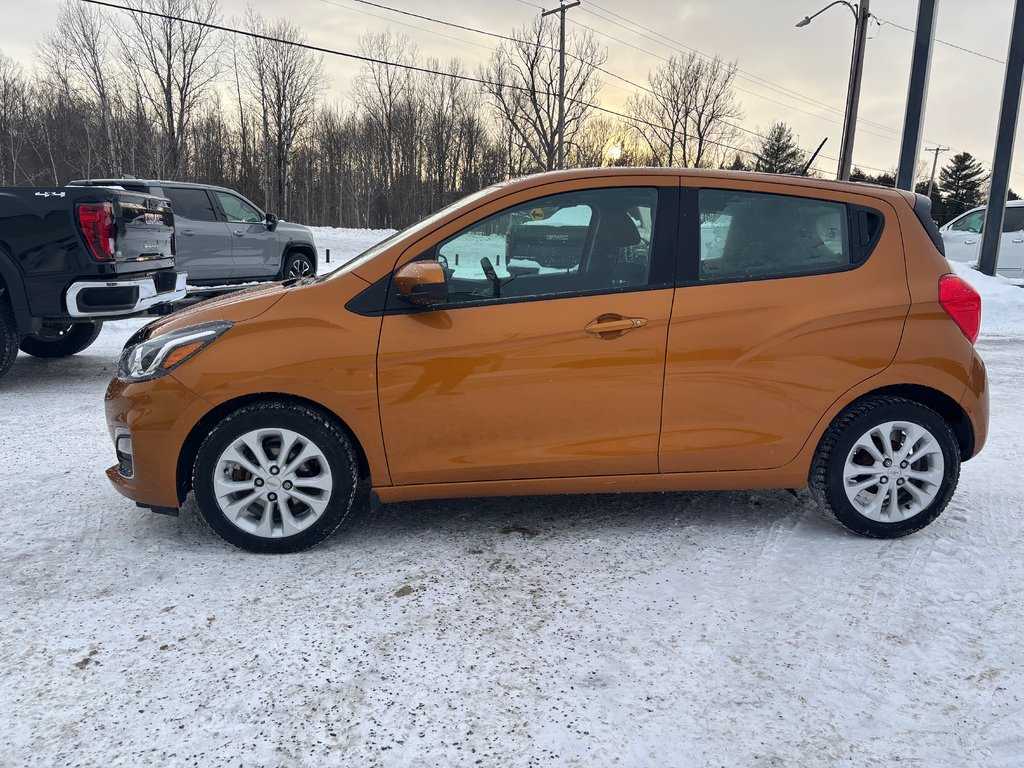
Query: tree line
point(156, 97)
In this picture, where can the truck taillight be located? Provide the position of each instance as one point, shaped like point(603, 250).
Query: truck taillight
point(96, 220)
point(962, 303)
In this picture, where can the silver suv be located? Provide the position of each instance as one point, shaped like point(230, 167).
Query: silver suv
point(224, 238)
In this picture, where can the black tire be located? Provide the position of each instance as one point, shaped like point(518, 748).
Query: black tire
point(312, 425)
point(8, 336)
point(297, 264)
point(61, 339)
point(826, 481)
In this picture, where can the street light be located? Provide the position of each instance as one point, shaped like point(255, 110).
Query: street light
point(861, 16)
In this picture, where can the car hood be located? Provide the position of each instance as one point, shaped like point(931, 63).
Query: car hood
point(294, 231)
point(237, 307)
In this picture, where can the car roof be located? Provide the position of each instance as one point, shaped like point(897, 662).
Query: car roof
point(149, 183)
point(854, 187)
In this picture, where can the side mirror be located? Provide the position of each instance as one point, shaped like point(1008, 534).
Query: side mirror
point(422, 284)
point(271, 222)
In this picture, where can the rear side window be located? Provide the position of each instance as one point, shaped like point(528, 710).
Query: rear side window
point(191, 204)
point(1013, 219)
point(751, 235)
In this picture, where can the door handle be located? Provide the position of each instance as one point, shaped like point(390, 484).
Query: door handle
point(970, 242)
point(613, 326)
point(188, 232)
point(238, 233)
point(1018, 241)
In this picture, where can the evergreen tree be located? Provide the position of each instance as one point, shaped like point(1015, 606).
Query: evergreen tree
point(962, 181)
point(738, 164)
point(1011, 195)
point(779, 152)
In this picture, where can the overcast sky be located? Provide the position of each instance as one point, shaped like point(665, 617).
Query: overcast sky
point(775, 58)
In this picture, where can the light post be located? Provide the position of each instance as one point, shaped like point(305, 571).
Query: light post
point(861, 15)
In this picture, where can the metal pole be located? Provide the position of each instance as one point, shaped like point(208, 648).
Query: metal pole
point(935, 165)
point(860, 35)
point(562, 8)
point(1008, 113)
point(917, 93)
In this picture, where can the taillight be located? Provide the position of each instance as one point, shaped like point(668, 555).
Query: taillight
point(962, 303)
point(96, 220)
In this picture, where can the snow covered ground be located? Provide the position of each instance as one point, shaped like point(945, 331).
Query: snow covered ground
point(732, 629)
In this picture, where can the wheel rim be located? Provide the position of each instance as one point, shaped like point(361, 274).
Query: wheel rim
point(53, 331)
point(894, 471)
point(299, 268)
point(272, 483)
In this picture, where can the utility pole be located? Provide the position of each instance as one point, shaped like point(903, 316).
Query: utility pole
point(991, 231)
point(861, 15)
point(917, 93)
point(935, 164)
point(560, 10)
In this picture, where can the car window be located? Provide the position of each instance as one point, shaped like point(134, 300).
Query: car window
point(592, 240)
point(748, 235)
point(237, 209)
point(1013, 219)
point(191, 204)
point(970, 223)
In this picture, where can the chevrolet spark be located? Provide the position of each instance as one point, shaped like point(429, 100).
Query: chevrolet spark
point(575, 332)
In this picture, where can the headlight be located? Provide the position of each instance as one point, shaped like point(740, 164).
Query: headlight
point(152, 359)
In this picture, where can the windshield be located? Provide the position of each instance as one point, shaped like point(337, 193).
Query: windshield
point(413, 229)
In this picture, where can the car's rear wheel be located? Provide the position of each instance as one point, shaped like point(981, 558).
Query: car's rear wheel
point(275, 477)
point(8, 336)
point(61, 339)
point(886, 467)
point(297, 264)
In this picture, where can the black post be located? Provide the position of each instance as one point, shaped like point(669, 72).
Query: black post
point(1008, 114)
point(917, 94)
point(328, 251)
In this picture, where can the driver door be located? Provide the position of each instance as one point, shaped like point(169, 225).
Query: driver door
point(256, 250)
point(513, 377)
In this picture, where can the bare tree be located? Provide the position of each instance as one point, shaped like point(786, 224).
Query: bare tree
point(14, 99)
point(523, 86)
point(174, 64)
point(77, 53)
point(683, 117)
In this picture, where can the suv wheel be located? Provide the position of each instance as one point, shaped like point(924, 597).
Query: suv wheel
point(8, 336)
point(886, 467)
point(61, 339)
point(275, 477)
point(297, 264)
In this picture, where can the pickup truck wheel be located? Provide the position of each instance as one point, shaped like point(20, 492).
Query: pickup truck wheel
point(297, 264)
point(8, 337)
point(275, 477)
point(61, 339)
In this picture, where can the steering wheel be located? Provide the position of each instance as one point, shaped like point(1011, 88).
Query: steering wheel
point(492, 275)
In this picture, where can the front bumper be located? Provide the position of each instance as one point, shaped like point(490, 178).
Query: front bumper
point(152, 419)
point(124, 296)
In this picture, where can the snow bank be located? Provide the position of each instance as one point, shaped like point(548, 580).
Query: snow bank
point(1002, 302)
point(344, 244)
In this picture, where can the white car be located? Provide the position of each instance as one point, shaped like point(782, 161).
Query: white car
point(962, 238)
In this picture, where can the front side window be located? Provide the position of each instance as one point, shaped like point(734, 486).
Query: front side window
point(970, 223)
point(751, 235)
point(237, 209)
point(592, 240)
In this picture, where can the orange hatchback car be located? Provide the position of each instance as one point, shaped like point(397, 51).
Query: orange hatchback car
point(575, 332)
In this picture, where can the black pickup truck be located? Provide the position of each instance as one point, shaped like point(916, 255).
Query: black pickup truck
point(71, 257)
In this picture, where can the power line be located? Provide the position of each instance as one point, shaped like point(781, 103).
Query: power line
point(944, 42)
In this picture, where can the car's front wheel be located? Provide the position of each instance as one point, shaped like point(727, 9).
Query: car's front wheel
point(275, 477)
point(297, 264)
point(886, 467)
point(61, 339)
